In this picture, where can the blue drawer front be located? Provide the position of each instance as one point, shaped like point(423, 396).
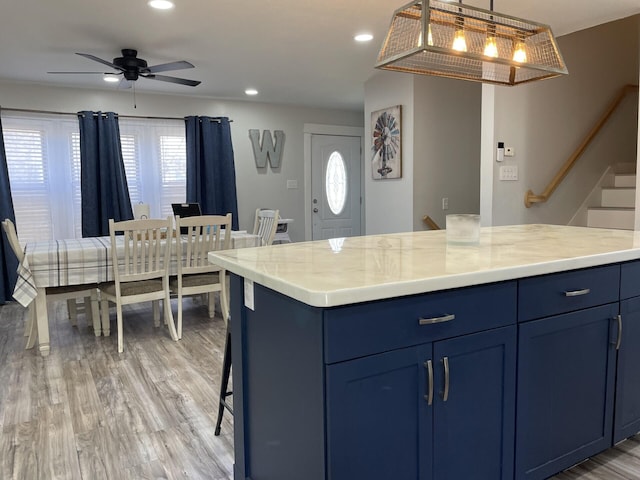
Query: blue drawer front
point(375, 327)
point(568, 291)
point(630, 280)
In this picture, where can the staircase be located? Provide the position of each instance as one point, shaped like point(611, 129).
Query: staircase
point(617, 201)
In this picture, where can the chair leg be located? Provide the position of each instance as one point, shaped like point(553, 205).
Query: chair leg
point(168, 318)
point(119, 317)
point(179, 329)
point(224, 382)
point(155, 308)
point(106, 327)
point(212, 304)
point(73, 312)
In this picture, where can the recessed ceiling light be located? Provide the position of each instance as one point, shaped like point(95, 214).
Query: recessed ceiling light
point(363, 37)
point(111, 78)
point(161, 4)
point(251, 91)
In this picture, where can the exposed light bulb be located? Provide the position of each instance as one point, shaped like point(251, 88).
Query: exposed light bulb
point(491, 47)
point(111, 78)
point(520, 53)
point(459, 42)
point(251, 91)
point(363, 37)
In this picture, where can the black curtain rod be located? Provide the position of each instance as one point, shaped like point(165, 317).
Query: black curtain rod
point(24, 110)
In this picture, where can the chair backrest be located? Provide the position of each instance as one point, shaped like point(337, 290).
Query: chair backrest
point(203, 235)
point(265, 225)
point(12, 236)
point(143, 250)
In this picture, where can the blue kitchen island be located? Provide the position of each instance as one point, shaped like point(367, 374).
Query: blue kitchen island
point(403, 357)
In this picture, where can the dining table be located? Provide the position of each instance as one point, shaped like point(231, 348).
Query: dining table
point(78, 261)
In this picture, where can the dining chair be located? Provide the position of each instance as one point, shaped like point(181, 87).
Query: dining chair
point(69, 293)
point(196, 275)
point(140, 253)
point(265, 225)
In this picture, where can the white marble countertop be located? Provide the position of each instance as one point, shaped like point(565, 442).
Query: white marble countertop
point(342, 271)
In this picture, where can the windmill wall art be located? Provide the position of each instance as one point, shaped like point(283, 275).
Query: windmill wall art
point(386, 161)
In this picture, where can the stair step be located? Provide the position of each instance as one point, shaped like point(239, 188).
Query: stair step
point(620, 218)
point(624, 197)
point(624, 180)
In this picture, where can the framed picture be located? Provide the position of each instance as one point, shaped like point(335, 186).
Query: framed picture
point(386, 143)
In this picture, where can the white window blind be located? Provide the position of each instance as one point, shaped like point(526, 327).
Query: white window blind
point(43, 157)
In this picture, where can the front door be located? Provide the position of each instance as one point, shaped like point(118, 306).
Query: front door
point(335, 186)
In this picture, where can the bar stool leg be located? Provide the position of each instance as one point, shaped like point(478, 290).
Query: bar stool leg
point(224, 382)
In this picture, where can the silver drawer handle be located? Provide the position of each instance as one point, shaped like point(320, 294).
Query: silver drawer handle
point(429, 396)
point(577, 293)
point(431, 321)
point(619, 332)
point(445, 393)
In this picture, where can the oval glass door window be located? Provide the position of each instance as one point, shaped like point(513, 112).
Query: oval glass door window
point(336, 183)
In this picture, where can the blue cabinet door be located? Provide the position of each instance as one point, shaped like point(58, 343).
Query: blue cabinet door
point(474, 426)
point(566, 368)
point(627, 416)
point(379, 424)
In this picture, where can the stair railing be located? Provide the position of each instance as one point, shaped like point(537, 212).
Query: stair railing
point(530, 198)
point(428, 221)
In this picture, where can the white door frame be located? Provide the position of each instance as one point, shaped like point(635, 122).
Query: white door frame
point(317, 129)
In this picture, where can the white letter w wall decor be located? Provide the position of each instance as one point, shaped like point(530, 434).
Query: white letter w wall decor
point(267, 149)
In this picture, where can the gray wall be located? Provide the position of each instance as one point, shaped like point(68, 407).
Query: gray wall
point(264, 188)
point(447, 146)
point(547, 120)
point(440, 151)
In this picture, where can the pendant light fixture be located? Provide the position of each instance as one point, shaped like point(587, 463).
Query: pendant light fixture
point(469, 43)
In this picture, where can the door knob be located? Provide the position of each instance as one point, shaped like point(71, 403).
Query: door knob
point(315, 210)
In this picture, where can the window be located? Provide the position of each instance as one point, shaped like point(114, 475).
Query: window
point(43, 157)
point(336, 183)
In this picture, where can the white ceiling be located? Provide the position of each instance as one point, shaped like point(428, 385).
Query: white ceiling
point(294, 52)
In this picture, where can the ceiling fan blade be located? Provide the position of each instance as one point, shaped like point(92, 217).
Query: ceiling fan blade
point(101, 73)
point(181, 81)
point(99, 60)
point(165, 67)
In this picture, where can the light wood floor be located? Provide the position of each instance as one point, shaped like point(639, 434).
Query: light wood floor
point(87, 413)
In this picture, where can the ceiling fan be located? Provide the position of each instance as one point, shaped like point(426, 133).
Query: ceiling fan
point(132, 67)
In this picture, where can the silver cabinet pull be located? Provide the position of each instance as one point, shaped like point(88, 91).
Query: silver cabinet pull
point(619, 332)
point(431, 321)
point(429, 396)
point(445, 393)
point(577, 293)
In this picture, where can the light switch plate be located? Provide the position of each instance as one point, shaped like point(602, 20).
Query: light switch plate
point(509, 173)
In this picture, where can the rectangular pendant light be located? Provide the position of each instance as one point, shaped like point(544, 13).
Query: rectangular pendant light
point(469, 43)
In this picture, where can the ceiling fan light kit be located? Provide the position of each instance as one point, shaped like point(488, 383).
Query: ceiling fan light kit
point(446, 39)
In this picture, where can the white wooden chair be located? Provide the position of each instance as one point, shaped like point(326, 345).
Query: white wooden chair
point(141, 274)
point(196, 275)
point(265, 225)
point(69, 293)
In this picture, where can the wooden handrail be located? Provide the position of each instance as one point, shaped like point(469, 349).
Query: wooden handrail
point(530, 198)
point(428, 221)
